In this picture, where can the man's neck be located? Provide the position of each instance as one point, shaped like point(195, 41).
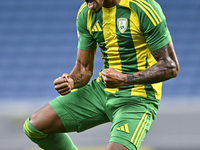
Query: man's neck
point(110, 3)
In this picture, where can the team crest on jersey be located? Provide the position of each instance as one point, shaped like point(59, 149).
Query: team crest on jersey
point(122, 24)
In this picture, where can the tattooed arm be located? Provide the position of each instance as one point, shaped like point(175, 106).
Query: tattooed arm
point(167, 67)
point(80, 75)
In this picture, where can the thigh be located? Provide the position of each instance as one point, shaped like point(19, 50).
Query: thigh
point(47, 121)
point(81, 109)
point(130, 124)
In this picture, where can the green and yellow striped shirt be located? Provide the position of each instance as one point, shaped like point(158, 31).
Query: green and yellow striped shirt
point(126, 35)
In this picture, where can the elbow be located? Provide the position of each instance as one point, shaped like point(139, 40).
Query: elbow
point(175, 71)
point(174, 67)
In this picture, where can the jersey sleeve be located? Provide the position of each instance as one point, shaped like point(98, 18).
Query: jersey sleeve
point(85, 39)
point(153, 25)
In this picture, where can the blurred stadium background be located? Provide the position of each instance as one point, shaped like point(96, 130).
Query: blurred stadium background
point(38, 43)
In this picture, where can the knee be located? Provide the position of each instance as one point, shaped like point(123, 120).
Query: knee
point(31, 131)
point(37, 121)
point(32, 120)
point(26, 127)
point(46, 120)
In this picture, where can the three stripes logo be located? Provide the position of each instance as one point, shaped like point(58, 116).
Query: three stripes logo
point(124, 128)
point(149, 10)
point(96, 28)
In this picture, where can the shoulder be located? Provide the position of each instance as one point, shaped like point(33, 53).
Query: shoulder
point(82, 12)
point(148, 11)
point(144, 6)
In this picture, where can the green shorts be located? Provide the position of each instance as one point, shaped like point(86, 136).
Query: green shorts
point(91, 105)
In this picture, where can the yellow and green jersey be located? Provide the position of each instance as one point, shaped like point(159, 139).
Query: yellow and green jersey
point(126, 35)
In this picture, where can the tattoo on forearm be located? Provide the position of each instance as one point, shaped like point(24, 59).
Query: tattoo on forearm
point(125, 79)
point(165, 68)
point(130, 79)
point(78, 79)
point(155, 74)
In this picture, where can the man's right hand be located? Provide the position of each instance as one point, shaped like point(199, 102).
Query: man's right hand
point(64, 84)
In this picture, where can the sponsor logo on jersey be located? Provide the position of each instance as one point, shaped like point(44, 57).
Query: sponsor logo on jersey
point(122, 24)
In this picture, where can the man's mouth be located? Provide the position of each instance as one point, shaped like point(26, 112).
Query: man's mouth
point(90, 5)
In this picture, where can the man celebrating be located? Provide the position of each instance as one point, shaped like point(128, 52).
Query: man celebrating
point(138, 55)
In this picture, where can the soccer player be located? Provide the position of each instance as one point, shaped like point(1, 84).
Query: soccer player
point(138, 55)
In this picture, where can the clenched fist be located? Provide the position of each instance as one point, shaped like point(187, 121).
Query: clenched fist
point(112, 78)
point(64, 84)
